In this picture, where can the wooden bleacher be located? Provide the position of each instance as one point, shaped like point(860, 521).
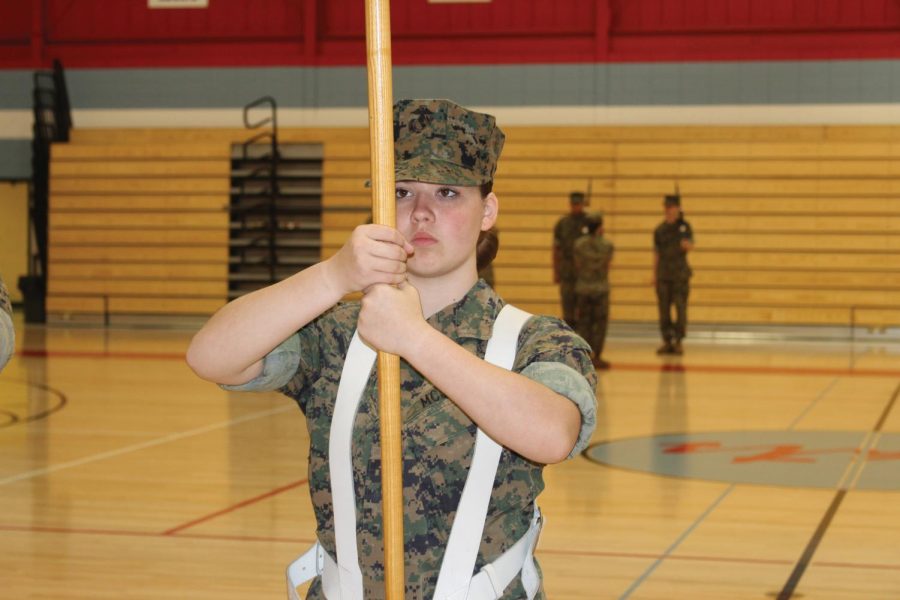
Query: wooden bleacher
point(794, 225)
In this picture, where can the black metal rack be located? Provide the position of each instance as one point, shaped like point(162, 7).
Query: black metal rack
point(52, 122)
point(276, 206)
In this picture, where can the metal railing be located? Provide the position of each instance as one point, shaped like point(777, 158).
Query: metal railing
point(270, 160)
point(52, 122)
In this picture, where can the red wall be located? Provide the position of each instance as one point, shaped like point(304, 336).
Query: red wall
point(715, 16)
point(15, 33)
point(91, 33)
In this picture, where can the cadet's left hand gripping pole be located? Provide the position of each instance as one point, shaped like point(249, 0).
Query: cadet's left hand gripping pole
point(381, 144)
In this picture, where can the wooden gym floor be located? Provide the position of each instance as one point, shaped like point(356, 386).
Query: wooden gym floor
point(738, 471)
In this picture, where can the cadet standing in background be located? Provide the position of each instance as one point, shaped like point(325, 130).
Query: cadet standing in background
point(568, 229)
point(7, 333)
point(593, 255)
point(672, 240)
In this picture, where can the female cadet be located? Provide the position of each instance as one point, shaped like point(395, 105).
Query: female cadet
point(423, 301)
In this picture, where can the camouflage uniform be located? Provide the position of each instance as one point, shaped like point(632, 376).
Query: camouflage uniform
point(7, 333)
point(438, 438)
point(592, 255)
point(567, 230)
point(672, 277)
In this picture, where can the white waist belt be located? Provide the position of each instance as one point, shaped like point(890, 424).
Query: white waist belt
point(342, 580)
point(488, 584)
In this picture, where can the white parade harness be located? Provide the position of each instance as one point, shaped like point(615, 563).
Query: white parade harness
point(342, 580)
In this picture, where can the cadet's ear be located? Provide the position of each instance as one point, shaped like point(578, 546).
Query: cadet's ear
point(491, 207)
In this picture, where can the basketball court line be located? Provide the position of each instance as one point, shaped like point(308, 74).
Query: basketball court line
point(16, 419)
point(100, 354)
point(813, 404)
point(617, 366)
point(540, 551)
point(174, 437)
point(674, 546)
point(751, 370)
point(684, 535)
point(234, 507)
point(852, 476)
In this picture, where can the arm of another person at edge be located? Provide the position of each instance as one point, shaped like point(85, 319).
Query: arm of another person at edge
point(517, 412)
point(7, 331)
point(230, 347)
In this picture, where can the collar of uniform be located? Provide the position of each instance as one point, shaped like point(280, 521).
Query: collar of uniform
point(472, 317)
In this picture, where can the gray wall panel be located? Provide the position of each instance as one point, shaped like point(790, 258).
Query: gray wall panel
point(15, 89)
point(620, 84)
point(616, 85)
point(15, 159)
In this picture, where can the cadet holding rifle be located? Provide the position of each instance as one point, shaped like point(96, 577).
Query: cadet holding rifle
point(672, 240)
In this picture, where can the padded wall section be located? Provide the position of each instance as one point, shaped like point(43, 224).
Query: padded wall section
point(331, 32)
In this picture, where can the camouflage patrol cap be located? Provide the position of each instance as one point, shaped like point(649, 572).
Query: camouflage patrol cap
point(594, 219)
point(576, 198)
point(438, 141)
point(672, 200)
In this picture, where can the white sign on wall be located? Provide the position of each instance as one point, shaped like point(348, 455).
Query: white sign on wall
point(177, 3)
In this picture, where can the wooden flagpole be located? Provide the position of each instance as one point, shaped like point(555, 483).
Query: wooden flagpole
point(381, 145)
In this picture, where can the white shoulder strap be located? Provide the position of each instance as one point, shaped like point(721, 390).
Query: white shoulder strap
point(468, 526)
point(354, 376)
point(465, 536)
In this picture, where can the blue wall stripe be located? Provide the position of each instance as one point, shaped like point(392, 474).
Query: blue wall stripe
point(787, 82)
point(629, 85)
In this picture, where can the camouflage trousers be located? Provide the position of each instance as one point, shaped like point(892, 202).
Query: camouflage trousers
point(672, 293)
point(593, 320)
point(569, 300)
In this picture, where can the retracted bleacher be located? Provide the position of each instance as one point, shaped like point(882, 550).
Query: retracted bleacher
point(794, 225)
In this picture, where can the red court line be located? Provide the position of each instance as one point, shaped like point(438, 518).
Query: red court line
point(100, 354)
point(617, 366)
point(847, 372)
point(125, 533)
point(234, 507)
point(650, 556)
point(75, 530)
point(588, 553)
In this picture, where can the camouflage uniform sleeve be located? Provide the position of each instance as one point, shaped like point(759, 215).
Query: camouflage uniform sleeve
point(279, 367)
point(5, 305)
point(7, 333)
point(551, 354)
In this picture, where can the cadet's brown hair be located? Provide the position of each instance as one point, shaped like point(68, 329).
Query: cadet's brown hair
point(488, 241)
